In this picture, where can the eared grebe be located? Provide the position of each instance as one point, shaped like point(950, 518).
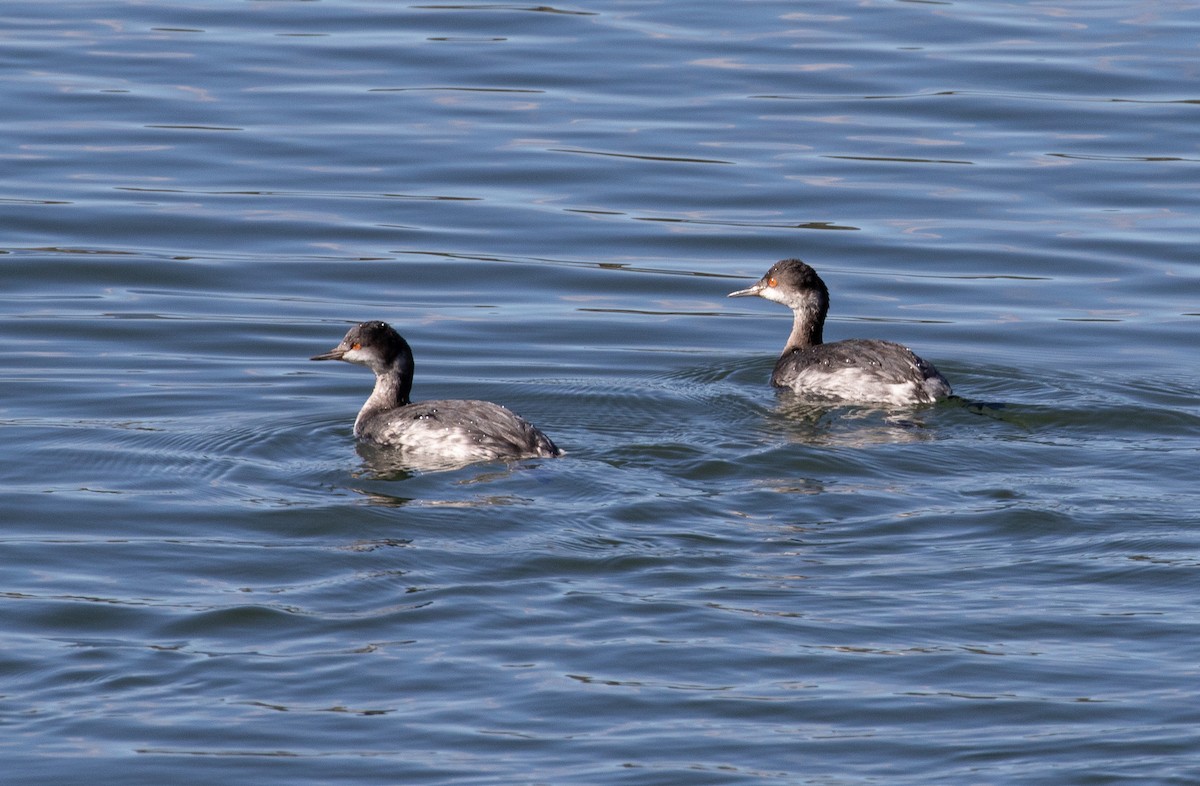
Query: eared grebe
point(437, 432)
point(856, 370)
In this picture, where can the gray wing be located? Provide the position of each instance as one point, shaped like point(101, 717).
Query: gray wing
point(871, 361)
point(491, 427)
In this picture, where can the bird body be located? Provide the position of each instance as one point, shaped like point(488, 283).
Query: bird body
point(856, 370)
point(452, 431)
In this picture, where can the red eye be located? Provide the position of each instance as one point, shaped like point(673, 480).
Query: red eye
point(771, 282)
point(359, 346)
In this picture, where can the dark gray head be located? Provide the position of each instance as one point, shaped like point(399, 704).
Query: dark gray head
point(792, 283)
point(797, 286)
point(375, 345)
point(380, 348)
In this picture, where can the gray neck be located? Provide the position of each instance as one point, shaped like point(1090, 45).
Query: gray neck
point(393, 385)
point(808, 322)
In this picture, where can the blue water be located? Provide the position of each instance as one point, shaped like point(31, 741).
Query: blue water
point(205, 581)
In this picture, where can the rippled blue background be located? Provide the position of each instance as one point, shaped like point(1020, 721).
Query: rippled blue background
point(204, 582)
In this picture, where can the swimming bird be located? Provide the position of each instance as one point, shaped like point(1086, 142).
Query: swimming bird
point(855, 370)
point(440, 432)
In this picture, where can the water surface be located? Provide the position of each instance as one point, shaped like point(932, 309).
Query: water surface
point(206, 582)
